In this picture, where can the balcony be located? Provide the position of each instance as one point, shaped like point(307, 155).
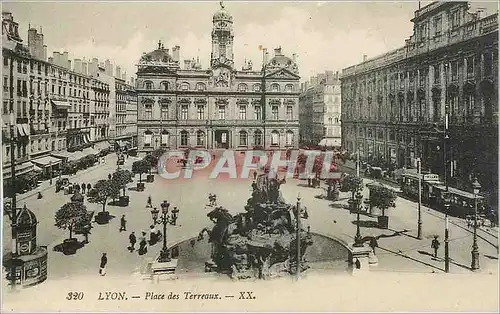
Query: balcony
point(22, 120)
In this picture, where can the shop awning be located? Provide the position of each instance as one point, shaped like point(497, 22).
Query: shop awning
point(61, 104)
point(26, 129)
point(330, 142)
point(86, 139)
point(23, 129)
point(46, 161)
point(90, 151)
point(69, 156)
point(23, 168)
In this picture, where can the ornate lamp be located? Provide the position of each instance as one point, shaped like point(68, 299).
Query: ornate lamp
point(476, 187)
point(154, 214)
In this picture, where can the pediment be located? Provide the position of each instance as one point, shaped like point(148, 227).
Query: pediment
point(283, 74)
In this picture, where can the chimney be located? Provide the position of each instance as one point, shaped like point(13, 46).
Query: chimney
point(68, 66)
point(132, 81)
point(175, 53)
point(118, 72)
point(314, 80)
point(56, 57)
point(124, 76)
point(365, 57)
point(64, 59)
point(266, 56)
point(479, 13)
point(329, 76)
point(44, 54)
point(187, 64)
point(77, 65)
point(294, 58)
point(51, 60)
point(85, 68)
point(321, 78)
point(108, 67)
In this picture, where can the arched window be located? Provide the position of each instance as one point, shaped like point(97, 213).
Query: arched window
point(289, 138)
point(200, 138)
point(185, 86)
point(256, 87)
point(165, 138)
point(148, 138)
point(242, 87)
point(275, 138)
point(275, 87)
point(243, 138)
point(148, 85)
point(164, 85)
point(289, 88)
point(200, 87)
point(184, 138)
point(330, 121)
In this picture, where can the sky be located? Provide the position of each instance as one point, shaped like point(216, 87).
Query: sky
point(325, 35)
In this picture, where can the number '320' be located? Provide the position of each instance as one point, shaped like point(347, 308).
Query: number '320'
point(75, 296)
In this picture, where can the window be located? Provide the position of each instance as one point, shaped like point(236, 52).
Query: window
point(256, 87)
point(257, 138)
point(200, 87)
point(148, 137)
point(164, 112)
point(148, 112)
point(184, 138)
point(289, 138)
point(438, 26)
point(184, 86)
point(164, 85)
point(330, 121)
point(469, 104)
point(201, 112)
point(222, 49)
point(274, 112)
point(148, 85)
point(222, 112)
point(289, 112)
point(289, 88)
point(5, 61)
point(243, 112)
point(437, 74)
point(488, 64)
point(5, 83)
point(470, 66)
point(455, 19)
point(454, 70)
point(258, 113)
point(200, 138)
point(275, 88)
point(184, 112)
point(275, 138)
point(243, 138)
point(242, 87)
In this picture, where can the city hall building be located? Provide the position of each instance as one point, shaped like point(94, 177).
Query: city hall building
point(393, 106)
point(219, 107)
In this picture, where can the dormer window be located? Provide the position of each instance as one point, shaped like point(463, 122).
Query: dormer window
point(164, 85)
point(242, 87)
point(148, 85)
point(184, 86)
point(200, 87)
point(275, 88)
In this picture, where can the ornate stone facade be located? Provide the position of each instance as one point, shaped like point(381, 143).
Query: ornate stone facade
point(393, 105)
point(218, 107)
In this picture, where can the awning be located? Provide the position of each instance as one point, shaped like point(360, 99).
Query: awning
point(87, 136)
point(85, 139)
point(20, 169)
point(26, 128)
point(46, 161)
point(36, 168)
point(61, 104)
point(90, 151)
point(330, 142)
point(76, 156)
point(20, 130)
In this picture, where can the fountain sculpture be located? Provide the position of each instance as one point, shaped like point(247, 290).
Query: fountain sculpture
point(261, 242)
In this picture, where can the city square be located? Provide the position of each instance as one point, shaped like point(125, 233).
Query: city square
point(191, 170)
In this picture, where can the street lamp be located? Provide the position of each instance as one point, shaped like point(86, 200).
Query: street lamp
point(13, 217)
point(419, 173)
point(357, 238)
point(446, 200)
point(476, 187)
point(164, 219)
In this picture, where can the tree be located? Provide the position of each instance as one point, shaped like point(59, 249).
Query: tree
point(102, 191)
point(121, 178)
point(351, 183)
point(71, 215)
point(382, 197)
point(140, 167)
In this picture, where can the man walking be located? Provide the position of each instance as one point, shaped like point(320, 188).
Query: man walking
point(102, 267)
point(84, 186)
point(435, 245)
point(123, 223)
point(132, 240)
point(373, 244)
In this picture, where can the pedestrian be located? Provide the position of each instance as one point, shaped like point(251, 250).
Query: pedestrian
point(255, 175)
point(373, 244)
point(40, 196)
point(132, 240)
point(83, 188)
point(435, 245)
point(102, 267)
point(143, 245)
point(123, 223)
point(152, 235)
point(89, 186)
point(175, 211)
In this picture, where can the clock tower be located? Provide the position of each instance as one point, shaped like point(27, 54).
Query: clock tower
point(222, 39)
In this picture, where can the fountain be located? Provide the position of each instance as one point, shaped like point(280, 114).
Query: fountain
point(261, 242)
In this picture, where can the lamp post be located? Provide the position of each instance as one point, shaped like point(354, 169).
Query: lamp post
point(446, 199)
point(164, 219)
point(298, 238)
point(475, 249)
point(357, 203)
point(419, 173)
point(445, 160)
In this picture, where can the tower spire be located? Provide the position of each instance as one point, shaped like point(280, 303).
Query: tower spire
point(221, 4)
